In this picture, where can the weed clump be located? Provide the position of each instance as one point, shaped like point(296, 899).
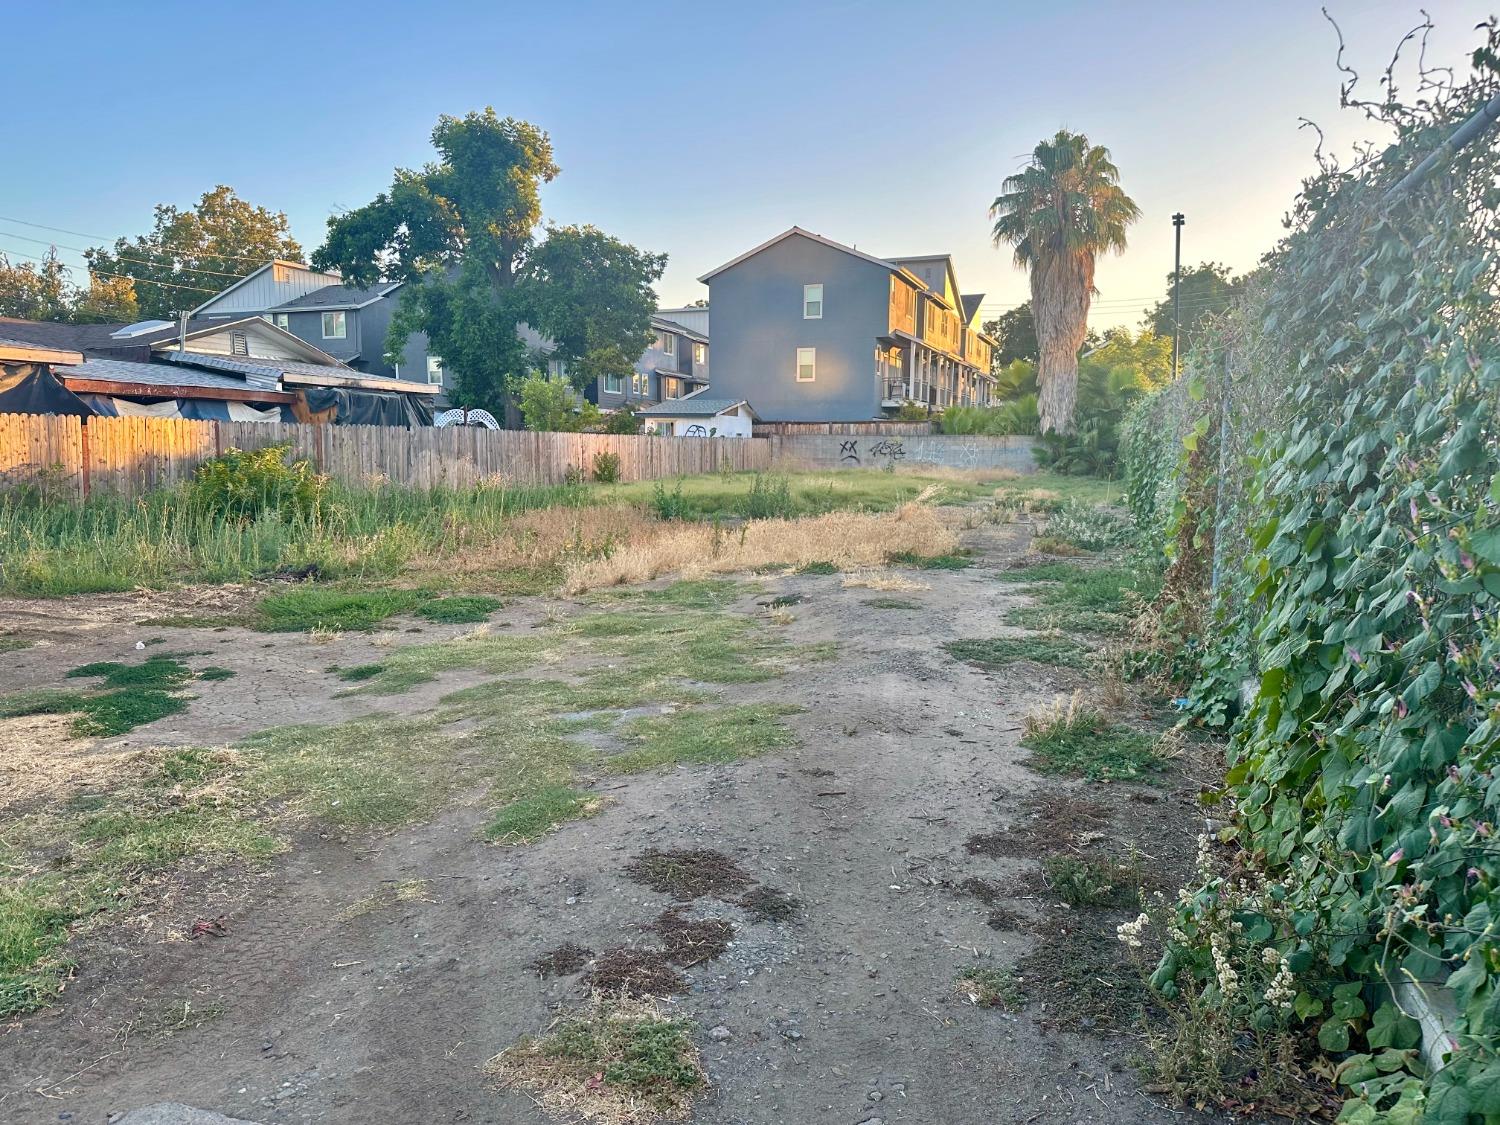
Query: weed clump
point(989, 988)
point(160, 672)
point(768, 904)
point(563, 961)
point(688, 873)
point(769, 498)
point(329, 608)
point(459, 610)
point(1092, 881)
point(1069, 739)
point(691, 941)
point(636, 973)
point(997, 652)
point(930, 562)
point(245, 485)
point(619, 1060)
point(536, 814)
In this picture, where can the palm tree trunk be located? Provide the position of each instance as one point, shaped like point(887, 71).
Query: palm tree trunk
point(1060, 288)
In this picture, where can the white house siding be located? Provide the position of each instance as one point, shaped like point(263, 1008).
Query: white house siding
point(267, 289)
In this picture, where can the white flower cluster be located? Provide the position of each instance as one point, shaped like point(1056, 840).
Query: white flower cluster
point(1281, 991)
point(1131, 933)
point(1229, 980)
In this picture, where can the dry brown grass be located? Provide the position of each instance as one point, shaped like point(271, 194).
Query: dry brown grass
point(42, 759)
point(887, 580)
point(408, 890)
point(848, 540)
point(542, 537)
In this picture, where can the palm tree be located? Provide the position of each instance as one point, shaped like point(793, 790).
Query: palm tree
point(1059, 212)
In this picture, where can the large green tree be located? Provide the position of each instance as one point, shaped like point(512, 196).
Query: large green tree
point(45, 291)
point(461, 232)
point(1015, 333)
point(190, 255)
point(1207, 290)
point(1061, 211)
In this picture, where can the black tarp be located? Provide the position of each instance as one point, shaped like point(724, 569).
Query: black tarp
point(370, 408)
point(31, 388)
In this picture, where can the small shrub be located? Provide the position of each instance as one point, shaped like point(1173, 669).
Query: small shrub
point(770, 497)
point(573, 477)
point(626, 420)
point(668, 505)
point(606, 468)
point(246, 485)
point(1091, 881)
point(1088, 527)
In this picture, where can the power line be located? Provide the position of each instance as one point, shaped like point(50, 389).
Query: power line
point(117, 276)
point(120, 257)
point(261, 259)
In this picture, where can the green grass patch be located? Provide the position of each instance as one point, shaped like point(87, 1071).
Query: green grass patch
point(12, 643)
point(1047, 491)
point(359, 672)
point(930, 562)
point(408, 667)
point(162, 673)
point(1080, 599)
point(1082, 743)
point(99, 715)
point(332, 608)
point(697, 736)
point(459, 610)
point(819, 568)
point(536, 814)
point(40, 701)
point(997, 652)
point(893, 603)
point(214, 672)
point(612, 1061)
point(1092, 881)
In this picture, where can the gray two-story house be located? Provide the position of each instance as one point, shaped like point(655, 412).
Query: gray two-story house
point(675, 365)
point(807, 329)
point(345, 322)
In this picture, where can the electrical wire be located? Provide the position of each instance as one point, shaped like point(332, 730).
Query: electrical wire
point(116, 276)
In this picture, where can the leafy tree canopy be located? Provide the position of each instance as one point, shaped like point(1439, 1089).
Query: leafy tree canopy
point(1015, 332)
point(190, 255)
point(462, 232)
point(45, 291)
point(552, 405)
point(1207, 290)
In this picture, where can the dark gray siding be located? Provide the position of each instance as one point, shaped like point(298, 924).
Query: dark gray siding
point(758, 327)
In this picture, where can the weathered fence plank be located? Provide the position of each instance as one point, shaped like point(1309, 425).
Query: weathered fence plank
point(130, 456)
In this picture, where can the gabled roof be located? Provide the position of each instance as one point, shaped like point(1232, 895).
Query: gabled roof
point(256, 273)
point(971, 301)
point(695, 406)
point(310, 353)
point(662, 324)
point(805, 234)
point(335, 297)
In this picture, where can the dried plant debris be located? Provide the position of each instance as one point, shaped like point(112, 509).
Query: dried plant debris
point(768, 904)
point(688, 873)
point(1003, 918)
point(1055, 822)
point(563, 961)
point(619, 1061)
point(692, 941)
point(635, 972)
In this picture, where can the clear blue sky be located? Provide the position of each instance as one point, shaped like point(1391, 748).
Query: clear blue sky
point(701, 129)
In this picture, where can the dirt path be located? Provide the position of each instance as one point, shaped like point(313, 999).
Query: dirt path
point(845, 1014)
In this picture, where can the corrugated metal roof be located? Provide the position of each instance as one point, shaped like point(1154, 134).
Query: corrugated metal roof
point(262, 373)
point(155, 374)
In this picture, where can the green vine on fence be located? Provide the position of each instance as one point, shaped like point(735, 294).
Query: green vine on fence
point(1366, 589)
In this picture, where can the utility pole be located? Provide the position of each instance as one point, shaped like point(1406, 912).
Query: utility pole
point(1177, 221)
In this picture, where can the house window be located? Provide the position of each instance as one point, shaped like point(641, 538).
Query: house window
point(333, 326)
point(434, 368)
point(283, 322)
point(238, 344)
point(667, 342)
point(641, 384)
point(700, 354)
point(807, 364)
point(614, 384)
point(557, 368)
point(812, 302)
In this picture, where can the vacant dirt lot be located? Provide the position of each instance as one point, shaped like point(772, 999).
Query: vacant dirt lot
point(368, 976)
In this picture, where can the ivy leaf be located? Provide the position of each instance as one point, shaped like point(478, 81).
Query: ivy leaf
point(1334, 1035)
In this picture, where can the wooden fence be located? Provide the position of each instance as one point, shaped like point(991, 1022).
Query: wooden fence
point(130, 456)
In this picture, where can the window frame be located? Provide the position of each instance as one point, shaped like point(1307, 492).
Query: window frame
point(818, 285)
point(700, 354)
point(343, 325)
point(619, 385)
point(441, 372)
point(813, 365)
point(669, 344)
point(282, 321)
